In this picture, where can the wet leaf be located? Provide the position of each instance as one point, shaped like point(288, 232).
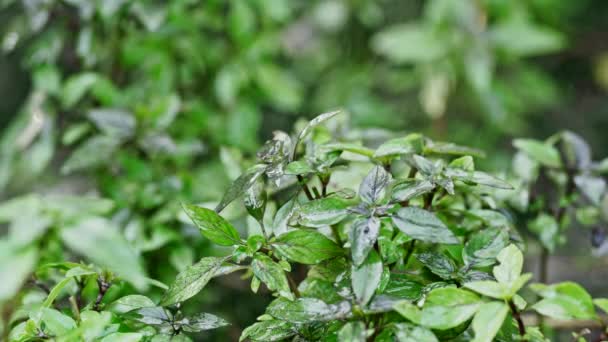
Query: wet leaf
point(353, 332)
point(423, 225)
point(271, 274)
point(409, 189)
point(322, 212)
point(363, 235)
point(373, 186)
point(269, 331)
point(192, 280)
point(366, 278)
point(438, 263)
point(306, 310)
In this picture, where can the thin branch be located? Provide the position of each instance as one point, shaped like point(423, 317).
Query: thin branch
point(316, 192)
point(103, 288)
point(305, 188)
point(324, 183)
point(517, 316)
point(293, 285)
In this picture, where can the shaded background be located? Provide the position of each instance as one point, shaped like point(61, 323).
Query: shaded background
point(203, 76)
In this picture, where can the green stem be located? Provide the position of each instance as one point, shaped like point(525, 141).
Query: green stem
point(305, 188)
point(336, 235)
point(410, 251)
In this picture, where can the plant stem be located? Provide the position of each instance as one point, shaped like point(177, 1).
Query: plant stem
point(293, 285)
point(261, 222)
point(324, 183)
point(544, 265)
point(410, 251)
point(517, 316)
point(103, 288)
point(75, 309)
point(336, 235)
point(305, 188)
point(316, 192)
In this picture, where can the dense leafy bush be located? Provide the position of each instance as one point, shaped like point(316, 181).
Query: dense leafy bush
point(406, 241)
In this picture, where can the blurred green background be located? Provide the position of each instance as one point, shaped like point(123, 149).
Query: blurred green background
point(199, 85)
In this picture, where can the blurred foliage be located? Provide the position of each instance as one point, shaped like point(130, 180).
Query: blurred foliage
point(133, 106)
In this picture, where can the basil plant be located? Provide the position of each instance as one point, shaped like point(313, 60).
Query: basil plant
point(405, 241)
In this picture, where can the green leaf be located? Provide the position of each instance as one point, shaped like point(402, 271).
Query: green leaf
point(75, 87)
point(483, 246)
point(477, 177)
point(16, 264)
point(601, 303)
point(100, 240)
point(547, 229)
point(465, 163)
point(405, 332)
point(212, 226)
point(366, 278)
point(363, 235)
point(592, 187)
point(56, 322)
point(241, 185)
point(321, 289)
point(306, 310)
point(576, 151)
point(438, 263)
point(319, 119)
point(129, 303)
point(511, 262)
point(423, 225)
point(323, 212)
point(306, 246)
point(444, 308)
point(352, 332)
point(192, 280)
point(255, 200)
point(116, 123)
point(92, 153)
point(408, 43)
point(202, 322)
point(565, 300)
point(74, 132)
point(271, 274)
point(539, 151)
point(452, 149)
point(411, 188)
point(269, 331)
point(55, 291)
point(298, 167)
point(533, 39)
point(348, 147)
point(488, 320)
point(402, 286)
point(280, 86)
point(409, 144)
point(426, 166)
point(122, 337)
point(282, 217)
point(489, 288)
point(373, 186)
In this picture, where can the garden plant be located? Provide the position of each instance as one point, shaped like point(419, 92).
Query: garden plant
point(357, 240)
